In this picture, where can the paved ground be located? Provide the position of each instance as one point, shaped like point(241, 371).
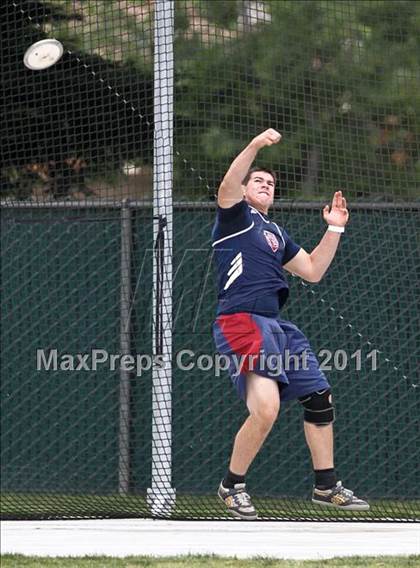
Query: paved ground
point(242, 539)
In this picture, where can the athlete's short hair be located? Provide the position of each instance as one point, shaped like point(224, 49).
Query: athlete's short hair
point(257, 169)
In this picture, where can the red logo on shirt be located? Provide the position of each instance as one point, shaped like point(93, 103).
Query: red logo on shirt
point(272, 241)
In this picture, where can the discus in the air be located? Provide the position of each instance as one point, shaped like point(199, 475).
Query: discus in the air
point(43, 54)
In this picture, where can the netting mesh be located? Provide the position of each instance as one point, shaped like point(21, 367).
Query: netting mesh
point(106, 248)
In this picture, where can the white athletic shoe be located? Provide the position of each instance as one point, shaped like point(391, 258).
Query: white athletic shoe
point(339, 497)
point(238, 502)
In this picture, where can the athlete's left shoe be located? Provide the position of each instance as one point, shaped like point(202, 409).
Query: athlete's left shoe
point(339, 497)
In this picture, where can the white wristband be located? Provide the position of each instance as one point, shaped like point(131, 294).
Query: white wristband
point(335, 229)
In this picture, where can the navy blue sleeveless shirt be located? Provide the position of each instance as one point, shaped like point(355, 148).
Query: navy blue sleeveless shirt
point(249, 252)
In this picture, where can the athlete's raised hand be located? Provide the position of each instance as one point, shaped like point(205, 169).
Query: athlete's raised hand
point(231, 190)
point(266, 138)
point(337, 214)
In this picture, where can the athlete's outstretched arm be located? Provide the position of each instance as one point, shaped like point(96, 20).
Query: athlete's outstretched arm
point(230, 190)
point(312, 267)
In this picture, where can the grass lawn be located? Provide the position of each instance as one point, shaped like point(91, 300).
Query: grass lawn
point(18, 561)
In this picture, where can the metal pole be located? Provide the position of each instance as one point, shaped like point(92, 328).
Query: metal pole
point(125, 348)
point(161, 495)
point(199, 205)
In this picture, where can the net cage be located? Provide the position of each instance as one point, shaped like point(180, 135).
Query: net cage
point(112, 403)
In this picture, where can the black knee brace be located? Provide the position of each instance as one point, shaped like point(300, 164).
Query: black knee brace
point(319, 409)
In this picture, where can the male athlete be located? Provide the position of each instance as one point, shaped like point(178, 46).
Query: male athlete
point(250, 252)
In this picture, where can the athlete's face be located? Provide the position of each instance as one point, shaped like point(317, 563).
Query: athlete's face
point(259, 191)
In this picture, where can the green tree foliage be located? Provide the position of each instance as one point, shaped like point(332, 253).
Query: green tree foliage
point(339, 78)
point(62, 127)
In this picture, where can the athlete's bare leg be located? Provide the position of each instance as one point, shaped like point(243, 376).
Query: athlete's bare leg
point(321, 445)
point(263, 402)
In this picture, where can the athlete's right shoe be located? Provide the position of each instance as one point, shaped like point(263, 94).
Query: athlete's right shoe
point(238, 502)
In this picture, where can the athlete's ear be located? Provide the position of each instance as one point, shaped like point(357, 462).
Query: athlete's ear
point(243, 189)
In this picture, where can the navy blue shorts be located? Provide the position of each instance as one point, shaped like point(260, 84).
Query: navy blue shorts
point(272, 348)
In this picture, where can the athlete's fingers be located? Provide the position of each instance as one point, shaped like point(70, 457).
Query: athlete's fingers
point(337, 199)
point(344, 203)
point(271, 140)
point(273, 135)
point(268, 137)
